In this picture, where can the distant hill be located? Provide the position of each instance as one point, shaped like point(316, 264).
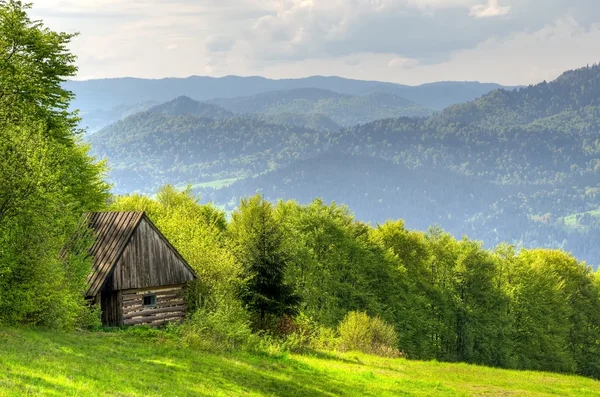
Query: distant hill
point(108, 93)
point(345, 110)
point(96, 119)
point(313, 121)
point(183, 105)
point(152, 148)
point(377, 188)
point(521, 166)
point(572, 91)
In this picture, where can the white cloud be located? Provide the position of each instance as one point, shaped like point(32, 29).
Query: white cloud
point(403, 63)
point(491, 9)
point(407, 41)
point(219, 43)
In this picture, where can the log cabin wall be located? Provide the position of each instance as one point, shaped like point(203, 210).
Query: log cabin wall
point(148, 261)
point(167, 305)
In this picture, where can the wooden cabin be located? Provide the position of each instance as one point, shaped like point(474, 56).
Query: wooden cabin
point(137, 276)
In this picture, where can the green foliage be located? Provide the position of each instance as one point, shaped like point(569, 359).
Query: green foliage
point(516, 166)
point(429, 295)
point(256, 240)
point(224, 328)
point(48, 179)
point(344, 110)
point(198, 232)
point(359, 332)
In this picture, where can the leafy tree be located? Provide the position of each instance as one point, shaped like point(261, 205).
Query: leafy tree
point(257, 244)
point(48, 179)
point(198, 232)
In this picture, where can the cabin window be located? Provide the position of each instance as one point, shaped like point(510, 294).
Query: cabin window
point(150, 300)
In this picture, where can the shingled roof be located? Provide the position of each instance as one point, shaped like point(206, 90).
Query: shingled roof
point(112, 232)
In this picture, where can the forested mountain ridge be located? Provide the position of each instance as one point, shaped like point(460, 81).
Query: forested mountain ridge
point(314, 121)
point(536, 148)
point(346, 110)
point(107, 93)
point(96, 119)
point(572, 91)
point(183, 105)
point(150, 149)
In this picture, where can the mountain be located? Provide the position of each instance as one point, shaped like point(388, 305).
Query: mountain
point(521, 166)
point(152, 148)
point(313, 121)
point(573, 91)
point(373, 188)
point(108, 93)
point(96, 119)
point(183, 105)
point(343, 109)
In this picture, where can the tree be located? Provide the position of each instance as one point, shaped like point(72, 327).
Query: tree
point(197, 231)
point(47, 177)
point(414, 293)
point(481, 317)
point(257, 244)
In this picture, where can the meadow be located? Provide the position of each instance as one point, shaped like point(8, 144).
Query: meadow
point(141, 363)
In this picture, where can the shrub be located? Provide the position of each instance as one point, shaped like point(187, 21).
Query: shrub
point(302, 334)
point(227, 327)
point(359, 332)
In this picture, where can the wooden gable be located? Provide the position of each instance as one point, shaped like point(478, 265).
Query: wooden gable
point(149, 260)
point(130, 252)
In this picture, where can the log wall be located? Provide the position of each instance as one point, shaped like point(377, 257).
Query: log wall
point(170, 305)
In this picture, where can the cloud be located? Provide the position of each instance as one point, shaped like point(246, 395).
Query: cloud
point(491, 9)
point(402, 63)
point(402, 40)
point(219, 43)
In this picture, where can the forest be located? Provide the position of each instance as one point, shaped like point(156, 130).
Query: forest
point(519, 166)
point(308, 275)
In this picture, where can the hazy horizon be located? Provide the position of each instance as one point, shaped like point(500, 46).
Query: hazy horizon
point(411, 42)
point(298, 78)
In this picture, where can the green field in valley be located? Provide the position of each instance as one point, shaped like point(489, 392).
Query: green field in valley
point(136, 364)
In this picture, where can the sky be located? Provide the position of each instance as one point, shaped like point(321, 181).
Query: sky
point(510, 42)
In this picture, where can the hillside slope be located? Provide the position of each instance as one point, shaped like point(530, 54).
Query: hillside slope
point(345, 110)
point(183, 105)
point(373, 189)
point(129, 363)
point(151, 148)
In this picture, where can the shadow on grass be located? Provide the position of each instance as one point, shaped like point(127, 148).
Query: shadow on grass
point(122, 365)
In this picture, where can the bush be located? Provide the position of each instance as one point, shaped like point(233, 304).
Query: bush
point(227, 327)
point(359, 332)
point(302, 334)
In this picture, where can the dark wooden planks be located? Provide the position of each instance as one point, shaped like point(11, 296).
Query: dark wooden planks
point(111, 305)
point(148, 261)
point(151, 260)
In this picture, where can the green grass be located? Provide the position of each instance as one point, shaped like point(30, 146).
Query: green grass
point(37, 362)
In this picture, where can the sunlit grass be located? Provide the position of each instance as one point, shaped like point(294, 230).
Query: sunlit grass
point(129, 364)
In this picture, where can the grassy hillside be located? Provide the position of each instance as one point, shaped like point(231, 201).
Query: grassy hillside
point(133, 363)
